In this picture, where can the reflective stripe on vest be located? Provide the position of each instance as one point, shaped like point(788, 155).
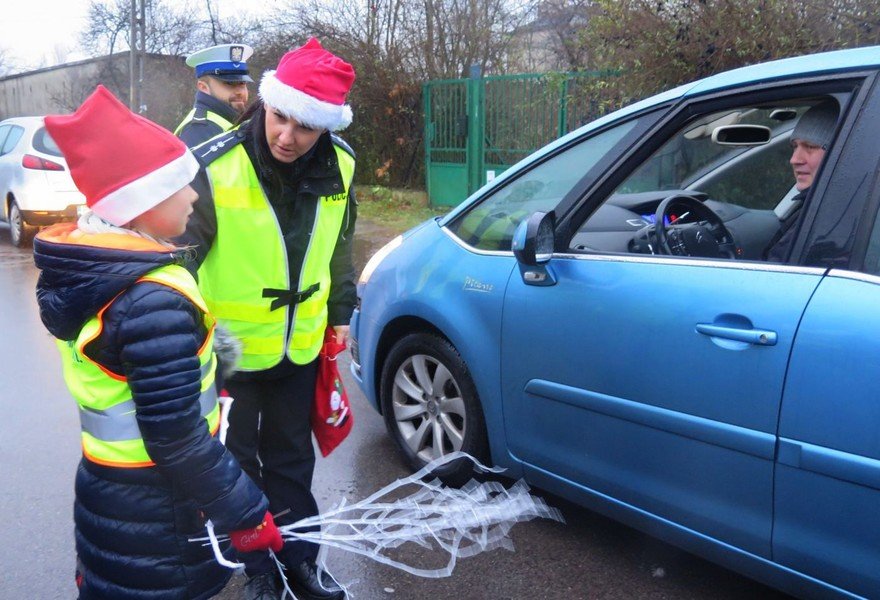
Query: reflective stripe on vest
point(211, 116)
point(249, 256)
point(110, 433)
point(114, 424)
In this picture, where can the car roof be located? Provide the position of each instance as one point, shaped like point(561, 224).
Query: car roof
point(786, 68)
point(22, 121)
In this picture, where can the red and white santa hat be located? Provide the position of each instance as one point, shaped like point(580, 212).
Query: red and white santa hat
point(123, 163)
point(310, 85)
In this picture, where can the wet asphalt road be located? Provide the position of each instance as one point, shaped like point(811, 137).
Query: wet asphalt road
point(587, 557)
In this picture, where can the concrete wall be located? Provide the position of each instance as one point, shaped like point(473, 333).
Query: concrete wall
point(168, 89)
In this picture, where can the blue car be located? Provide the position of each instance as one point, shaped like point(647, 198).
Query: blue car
point(670, 316)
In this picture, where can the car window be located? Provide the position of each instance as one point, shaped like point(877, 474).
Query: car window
point(490, 224)
point(4, 131)
point(872, 256)
point(14, 135)
point(753, 179)
point(735, 168)
point(691, 155)
point(44, 143)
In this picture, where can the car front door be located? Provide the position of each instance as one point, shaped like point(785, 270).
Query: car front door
point(650, 386)
point(613, 381)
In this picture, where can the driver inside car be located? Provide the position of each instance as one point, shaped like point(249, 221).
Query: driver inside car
point(809, 141)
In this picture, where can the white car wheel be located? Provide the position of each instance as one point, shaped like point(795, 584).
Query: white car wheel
point(19, 232)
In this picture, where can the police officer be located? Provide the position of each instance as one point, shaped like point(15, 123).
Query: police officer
point(272, 232)
point(222, 92)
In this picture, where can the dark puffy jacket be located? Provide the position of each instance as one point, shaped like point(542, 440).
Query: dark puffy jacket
point(133, 525)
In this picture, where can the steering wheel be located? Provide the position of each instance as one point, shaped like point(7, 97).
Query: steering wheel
point(692, 230)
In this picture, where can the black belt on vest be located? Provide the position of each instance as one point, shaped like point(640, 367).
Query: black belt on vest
point(288, 298)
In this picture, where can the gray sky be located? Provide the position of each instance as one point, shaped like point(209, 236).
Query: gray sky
point(46, 33)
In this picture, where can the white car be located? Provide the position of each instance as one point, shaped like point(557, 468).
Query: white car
point(35, 183)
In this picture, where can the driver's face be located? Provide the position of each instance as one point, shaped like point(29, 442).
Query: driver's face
point(805, 161)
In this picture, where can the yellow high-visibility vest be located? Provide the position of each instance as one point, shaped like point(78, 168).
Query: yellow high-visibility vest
point(110, 433)
point(211, 116)
point(249, 256)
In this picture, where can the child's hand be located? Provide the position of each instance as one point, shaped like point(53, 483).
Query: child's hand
point(262, 537)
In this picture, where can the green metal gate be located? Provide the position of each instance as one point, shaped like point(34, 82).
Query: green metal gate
point(476, 128)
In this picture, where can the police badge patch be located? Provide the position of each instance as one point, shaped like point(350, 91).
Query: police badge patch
point(236, 53)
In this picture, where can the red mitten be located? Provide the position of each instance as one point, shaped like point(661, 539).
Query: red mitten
point(262, 537)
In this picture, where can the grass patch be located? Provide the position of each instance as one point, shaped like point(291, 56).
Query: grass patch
point(395, 208)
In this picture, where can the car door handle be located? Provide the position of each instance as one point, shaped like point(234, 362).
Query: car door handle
point(758, 337)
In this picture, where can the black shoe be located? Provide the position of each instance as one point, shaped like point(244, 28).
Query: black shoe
point(303, 580)
point(262, 587)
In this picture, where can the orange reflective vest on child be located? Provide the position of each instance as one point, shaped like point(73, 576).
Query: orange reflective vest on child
point(110, 433)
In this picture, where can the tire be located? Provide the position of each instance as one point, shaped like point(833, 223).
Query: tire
point(427, 423)
point(20, 233)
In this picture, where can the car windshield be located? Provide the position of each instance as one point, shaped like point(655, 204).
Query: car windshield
point(43, 142)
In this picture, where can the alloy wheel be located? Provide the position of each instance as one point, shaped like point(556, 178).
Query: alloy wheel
point(15, 225)
point(429, 410)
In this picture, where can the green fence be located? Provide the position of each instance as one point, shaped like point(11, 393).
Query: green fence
point(476, 128)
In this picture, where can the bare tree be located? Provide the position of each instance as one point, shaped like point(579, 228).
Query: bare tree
point(428, 39)
point(660, 43)
point(170, 28)
point(395, 46)
point(8, 65)
point(563, 22)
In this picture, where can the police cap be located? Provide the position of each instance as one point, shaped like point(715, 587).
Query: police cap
point(226, 61)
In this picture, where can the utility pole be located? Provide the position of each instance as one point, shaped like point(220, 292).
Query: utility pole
point(137, 49)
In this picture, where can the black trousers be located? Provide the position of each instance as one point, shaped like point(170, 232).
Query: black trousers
point(271, 437)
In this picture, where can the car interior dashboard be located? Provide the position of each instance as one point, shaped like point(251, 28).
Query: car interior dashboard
point(618, 225)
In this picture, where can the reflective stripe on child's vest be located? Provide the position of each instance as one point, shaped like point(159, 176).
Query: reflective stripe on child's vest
point(110, 433)
point(249, 256)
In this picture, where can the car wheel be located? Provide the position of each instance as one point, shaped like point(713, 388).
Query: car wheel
point(431, 406)
point(20, 232)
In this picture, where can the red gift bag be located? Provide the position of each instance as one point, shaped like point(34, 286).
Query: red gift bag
point(331, 412)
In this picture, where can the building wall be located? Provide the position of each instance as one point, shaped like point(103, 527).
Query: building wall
point(167, 90)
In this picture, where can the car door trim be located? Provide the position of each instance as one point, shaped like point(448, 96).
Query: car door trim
point(863, 277)
point(655, 259)
point(725, 435)
point(695, 262)
point(844, 466)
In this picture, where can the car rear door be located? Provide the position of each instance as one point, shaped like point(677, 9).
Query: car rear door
point(827, 501)
point(827, 498)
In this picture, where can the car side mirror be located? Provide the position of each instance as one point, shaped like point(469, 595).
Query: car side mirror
point(533, 243)
point(741, 135)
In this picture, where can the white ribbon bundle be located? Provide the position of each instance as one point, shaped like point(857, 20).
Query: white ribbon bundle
point(461, 522)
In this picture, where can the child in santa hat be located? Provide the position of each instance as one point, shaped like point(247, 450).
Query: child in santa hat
point(136, 345)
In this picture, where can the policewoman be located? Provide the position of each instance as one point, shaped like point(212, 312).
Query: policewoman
point(222, 94)
point(136, 346)
point(273, 237)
